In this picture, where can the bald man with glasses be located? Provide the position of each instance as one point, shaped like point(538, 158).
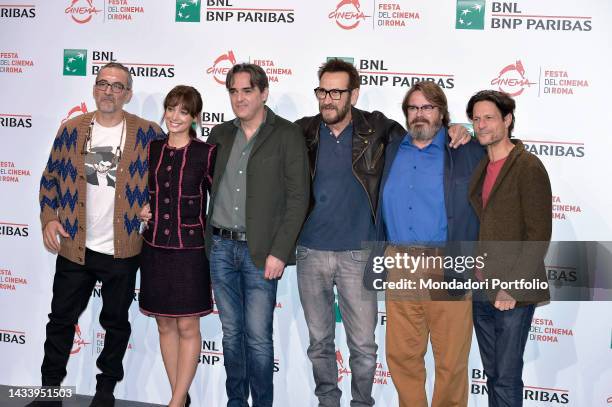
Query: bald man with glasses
point(91, 192)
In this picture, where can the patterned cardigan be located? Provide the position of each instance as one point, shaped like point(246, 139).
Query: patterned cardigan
point(63, 186)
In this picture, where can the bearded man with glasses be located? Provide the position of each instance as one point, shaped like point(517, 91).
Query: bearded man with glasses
point(346, 148)
point(424, 212)
point(91, 192)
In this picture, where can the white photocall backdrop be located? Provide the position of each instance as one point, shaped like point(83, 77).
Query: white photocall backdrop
point(553, 55)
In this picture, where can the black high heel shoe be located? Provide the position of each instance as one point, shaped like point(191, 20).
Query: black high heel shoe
point(187, 400)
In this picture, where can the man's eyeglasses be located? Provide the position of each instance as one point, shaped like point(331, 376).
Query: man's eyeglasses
point(425, 109)
point(334, 94)
point(116, 87)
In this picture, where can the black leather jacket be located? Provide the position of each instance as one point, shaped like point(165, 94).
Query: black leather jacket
point(371, 133)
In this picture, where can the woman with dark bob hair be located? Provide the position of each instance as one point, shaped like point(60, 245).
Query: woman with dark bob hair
point(175, 277)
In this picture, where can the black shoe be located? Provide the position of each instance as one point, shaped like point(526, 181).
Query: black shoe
point(103, 399)
point(187, 400)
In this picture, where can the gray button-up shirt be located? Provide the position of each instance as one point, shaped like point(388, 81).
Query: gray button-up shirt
point(229, 210)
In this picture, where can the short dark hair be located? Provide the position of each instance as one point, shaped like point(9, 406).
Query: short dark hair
point(504, 102)
point(118, 65)
point(258, 76)
point(340, 65)
point(189, 98)
point(434, 94)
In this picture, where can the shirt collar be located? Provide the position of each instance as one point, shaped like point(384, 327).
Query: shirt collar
point(438, 141)
point(348, 130)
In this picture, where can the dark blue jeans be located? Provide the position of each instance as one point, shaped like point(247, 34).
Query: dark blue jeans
point(502, 336)
point(246, 302)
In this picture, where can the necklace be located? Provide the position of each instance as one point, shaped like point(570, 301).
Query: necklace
point(88, 140)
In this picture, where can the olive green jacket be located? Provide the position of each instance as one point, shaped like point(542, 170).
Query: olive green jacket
point(278, 187)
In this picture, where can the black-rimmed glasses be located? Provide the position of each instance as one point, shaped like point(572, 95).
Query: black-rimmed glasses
point(425, 109)
point(334, 94)
point(116, 87)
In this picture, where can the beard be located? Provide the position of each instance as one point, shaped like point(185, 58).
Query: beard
point(106, 104)
point(333, 114)
point(422, 129)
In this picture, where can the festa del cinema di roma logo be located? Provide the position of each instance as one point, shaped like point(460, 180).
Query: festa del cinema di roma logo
point(342, 370)
point(221, 67)
point(82, 11)
point(348, 14)
point(512, 79)
point(78, 343)
point(75, 111)
point(381, 376)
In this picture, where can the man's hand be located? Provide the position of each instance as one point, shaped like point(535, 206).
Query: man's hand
point(504, 301)
point(145, 213)
point(274, 268)
point(50, 232)
point(459, 135)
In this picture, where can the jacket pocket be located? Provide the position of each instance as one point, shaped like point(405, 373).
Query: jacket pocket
point(372, 157)
point(360, 256)
point(301, 253)
point(192, 235)
point(190, 208)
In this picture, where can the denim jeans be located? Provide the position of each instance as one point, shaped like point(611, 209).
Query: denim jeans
point(502, 336)
point(318, 271)
point(246, 302)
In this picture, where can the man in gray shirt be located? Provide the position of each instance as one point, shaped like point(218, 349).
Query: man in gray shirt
point(259, 199)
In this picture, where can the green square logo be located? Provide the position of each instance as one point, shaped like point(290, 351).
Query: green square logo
point(350, 60)
point(187, 11)
point(470, 15)
point(75, 62)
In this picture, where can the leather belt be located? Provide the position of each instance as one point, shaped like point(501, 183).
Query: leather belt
point(418, 250)
point(229, 234)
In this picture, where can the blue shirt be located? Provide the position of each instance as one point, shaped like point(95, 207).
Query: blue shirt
point(413, 196)
point(341, 218)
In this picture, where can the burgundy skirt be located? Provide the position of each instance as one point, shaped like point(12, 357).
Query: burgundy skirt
point(174, 283)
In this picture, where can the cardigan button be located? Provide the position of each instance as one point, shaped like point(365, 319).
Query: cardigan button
point(166, 216)
point(190, 202)
point(191, 232)
point(166, 232)
point(166, 200)
point(169, 168)
point(171, 154)
point(167, 184)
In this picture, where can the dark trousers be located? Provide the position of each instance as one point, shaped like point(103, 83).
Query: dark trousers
point(502, 336)
point(72, 287)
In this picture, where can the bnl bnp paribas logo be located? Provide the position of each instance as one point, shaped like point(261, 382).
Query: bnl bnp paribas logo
point(512, 15)
point(188, 11)
point(470, 15)
point(75, 62)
